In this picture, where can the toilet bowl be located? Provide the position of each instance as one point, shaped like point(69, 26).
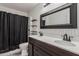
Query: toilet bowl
point(24, 49)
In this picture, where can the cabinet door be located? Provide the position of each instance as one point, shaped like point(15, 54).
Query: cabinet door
point(30, 52)
point(39, 52)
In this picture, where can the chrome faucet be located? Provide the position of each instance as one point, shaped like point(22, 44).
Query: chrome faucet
point(66, 38)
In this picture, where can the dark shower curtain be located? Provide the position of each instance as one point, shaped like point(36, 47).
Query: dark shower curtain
point(13, 31)
point(3, 31)
point(24, 29)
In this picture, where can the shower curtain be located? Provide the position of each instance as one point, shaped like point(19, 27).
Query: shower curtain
point(13, 31)
point(3, 31)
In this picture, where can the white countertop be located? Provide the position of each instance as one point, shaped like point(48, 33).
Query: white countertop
point(51, 40)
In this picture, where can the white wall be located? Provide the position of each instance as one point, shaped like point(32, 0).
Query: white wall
point(2, 8)
point(35, 14)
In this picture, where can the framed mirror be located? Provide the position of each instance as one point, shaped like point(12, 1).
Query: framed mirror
point(64, 16)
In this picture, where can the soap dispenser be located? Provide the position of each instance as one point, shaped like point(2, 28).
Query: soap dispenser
point(41, 34)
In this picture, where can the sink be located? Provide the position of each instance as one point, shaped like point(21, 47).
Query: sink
point(65, 43)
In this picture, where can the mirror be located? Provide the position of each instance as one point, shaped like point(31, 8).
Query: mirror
point(62, 17)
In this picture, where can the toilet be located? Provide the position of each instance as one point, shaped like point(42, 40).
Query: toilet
point(24, 49)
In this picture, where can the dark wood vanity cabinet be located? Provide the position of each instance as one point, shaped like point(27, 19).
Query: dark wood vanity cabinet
point(39, 48)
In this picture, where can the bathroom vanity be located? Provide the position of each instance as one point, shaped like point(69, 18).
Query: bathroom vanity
point(42, 46)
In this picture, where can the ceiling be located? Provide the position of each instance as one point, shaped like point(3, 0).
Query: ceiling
point(24, 7)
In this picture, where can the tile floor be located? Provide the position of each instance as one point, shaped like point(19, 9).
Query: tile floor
point(16, 52)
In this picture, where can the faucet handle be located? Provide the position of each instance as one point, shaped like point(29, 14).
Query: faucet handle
point(69, 39)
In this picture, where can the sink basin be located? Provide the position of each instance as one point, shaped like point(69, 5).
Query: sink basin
point(65, 43)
